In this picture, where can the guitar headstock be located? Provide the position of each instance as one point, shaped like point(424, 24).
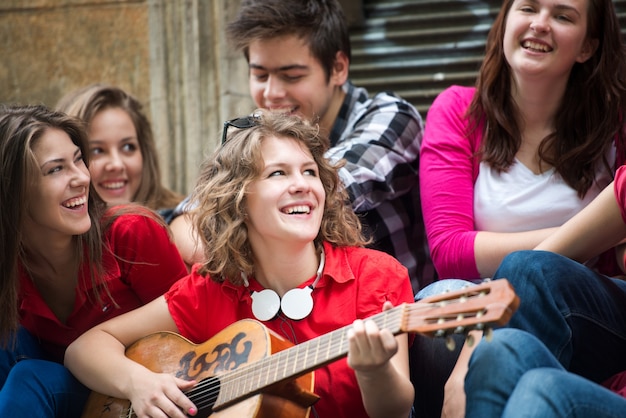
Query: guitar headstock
point(475, 307)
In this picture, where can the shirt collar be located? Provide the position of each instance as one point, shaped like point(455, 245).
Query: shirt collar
point(344, 112)
point(336, 269)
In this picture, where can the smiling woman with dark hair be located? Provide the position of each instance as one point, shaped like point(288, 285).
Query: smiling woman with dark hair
point(504, 163)
point(67, 262)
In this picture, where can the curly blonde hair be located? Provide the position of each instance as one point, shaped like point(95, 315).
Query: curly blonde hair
point(220, 195)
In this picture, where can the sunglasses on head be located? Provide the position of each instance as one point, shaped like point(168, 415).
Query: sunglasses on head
point(240, 123)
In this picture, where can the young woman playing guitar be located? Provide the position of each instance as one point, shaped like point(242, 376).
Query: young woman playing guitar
point(282, 247)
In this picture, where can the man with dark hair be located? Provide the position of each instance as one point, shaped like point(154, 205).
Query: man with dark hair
point(298, 52)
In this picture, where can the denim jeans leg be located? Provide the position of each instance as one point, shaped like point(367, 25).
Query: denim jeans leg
point(555, 393)
point(22, 346)
point(35, 387)
point(578, 314)
point(442, 286)
point(496, 367)
point(42, 389)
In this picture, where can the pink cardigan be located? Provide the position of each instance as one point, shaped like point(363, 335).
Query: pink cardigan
point(447, 175)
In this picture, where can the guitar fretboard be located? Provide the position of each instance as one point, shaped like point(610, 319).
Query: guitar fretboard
point(297, 360)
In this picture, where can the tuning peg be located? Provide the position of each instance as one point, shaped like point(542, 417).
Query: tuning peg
point(450, 344)
point(469, 340)
point(489, 334)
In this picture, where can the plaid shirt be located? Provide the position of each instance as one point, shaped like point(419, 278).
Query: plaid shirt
point(380, 139)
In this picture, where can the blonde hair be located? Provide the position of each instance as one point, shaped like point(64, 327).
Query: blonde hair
point(85, 103)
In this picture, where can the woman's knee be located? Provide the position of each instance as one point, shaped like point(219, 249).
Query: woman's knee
point(527, 263)
point(511, 346)
point(46, 388)
point(442, 286)
point(42, 376)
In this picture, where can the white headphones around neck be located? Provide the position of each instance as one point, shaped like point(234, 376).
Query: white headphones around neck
point(296, 304)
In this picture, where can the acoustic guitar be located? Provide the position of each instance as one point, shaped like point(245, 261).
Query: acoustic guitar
point(247, 370)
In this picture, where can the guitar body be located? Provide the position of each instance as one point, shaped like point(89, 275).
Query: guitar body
point(242, 343)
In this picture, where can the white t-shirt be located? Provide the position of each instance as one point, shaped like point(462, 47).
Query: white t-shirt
point(520, 200)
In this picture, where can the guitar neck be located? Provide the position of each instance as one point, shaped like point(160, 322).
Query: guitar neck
point(297, 360)
point(476, 307)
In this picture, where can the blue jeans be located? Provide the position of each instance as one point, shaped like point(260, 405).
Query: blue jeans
point(578, 314)
point(442, 286)
point(516, 376)
point(35, 387)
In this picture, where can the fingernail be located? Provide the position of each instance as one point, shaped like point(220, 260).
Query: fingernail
point(192, 411)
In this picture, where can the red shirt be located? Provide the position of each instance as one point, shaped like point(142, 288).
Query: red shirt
point(619, 187)
point(145, 265)
point(354, 284)
point(617, 383)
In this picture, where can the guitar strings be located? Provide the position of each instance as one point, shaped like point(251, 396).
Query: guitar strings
point(249, 379)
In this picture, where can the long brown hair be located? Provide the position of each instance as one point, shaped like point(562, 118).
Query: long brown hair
point(87, 102)
point(589, 119)
point(20, 128)
point(221, 190)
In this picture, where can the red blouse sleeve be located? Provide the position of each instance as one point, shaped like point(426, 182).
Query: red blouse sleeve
point(149, 261)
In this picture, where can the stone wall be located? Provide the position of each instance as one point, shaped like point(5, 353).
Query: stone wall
point(171, 54)
point(50, 47)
